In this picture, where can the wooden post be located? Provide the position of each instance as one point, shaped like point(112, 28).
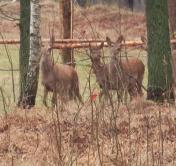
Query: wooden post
point(67, 7)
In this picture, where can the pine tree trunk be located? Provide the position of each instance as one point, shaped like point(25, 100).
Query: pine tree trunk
point(35, 54)
point(159, 51)
point(24, 45)
point(67, 54)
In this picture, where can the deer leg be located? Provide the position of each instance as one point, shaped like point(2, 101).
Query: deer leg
point(174, 95)
point(140, 91)
point(139, 87)
point(119, 96)
point(101, 94)
point(54, 99)
point(125, 96)
point(80, 99)
point(131, 91)
point(45, 96)
point(77, 95)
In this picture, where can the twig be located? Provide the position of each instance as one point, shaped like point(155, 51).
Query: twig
point(91, 102)
point(3, 100)
point(9, 69)
point(6, 16)
point(11, 66)
point(147, 125)
point(161, 137)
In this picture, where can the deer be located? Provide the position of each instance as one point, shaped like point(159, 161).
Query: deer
point(60, 79)
point(120, 75)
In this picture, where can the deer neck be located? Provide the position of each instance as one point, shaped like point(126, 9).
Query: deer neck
point(116, 60)
point(97, 67)
point(47, 65)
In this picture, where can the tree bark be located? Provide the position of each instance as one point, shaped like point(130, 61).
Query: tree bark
point(159, 51)
point(24, 45)
point(35, 54)
point(67, 54)
point(172, 16)
point(172, 21)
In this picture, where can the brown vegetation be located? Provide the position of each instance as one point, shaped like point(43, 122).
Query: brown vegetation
point(145, 132)
point(106, 21)
point(32, 138)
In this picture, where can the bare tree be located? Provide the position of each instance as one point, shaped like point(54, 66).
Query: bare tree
point(35, 54)
point(24, 45)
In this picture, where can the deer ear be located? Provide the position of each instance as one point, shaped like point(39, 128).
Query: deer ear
point(143, 39)
point(120, 39)
point(108, 40)
point(101, 45)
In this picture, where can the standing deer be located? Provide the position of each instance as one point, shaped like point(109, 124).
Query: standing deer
point(60, 79)
point(120, 75)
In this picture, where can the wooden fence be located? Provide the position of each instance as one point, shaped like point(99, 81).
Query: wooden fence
point(80, 43)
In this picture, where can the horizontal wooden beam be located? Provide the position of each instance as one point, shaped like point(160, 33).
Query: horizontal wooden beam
point(76, 45)
point(80, 43)
point(9, 42)
point(78, 40)
point(94, 43)
point(17, 41)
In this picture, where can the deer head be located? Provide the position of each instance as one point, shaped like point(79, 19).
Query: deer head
point(95, 52)
point(115, 46)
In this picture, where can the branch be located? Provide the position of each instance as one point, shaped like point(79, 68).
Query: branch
point(7, 16)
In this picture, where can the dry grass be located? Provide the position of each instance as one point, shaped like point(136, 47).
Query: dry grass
point(32, 137)
point(145, 133)
point(105, 20)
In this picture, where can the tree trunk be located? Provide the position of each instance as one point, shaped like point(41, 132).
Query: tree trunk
point(35, 54)
point(24, 45)
point(172, 21)
point(131, 4)
point(172, 16)
point(67, 54)
point(159, 51)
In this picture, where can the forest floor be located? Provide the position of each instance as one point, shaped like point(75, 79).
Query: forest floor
point(144, 134)
point(139, 133)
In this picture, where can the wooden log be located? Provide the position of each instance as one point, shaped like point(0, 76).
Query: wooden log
point(75, 45)
point(16, 41)
point(9, 42)
point(80, 43)
point(94, 43)
point(78, 40)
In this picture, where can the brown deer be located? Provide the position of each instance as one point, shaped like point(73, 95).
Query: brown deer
point(121, 75)
point(59, 78)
